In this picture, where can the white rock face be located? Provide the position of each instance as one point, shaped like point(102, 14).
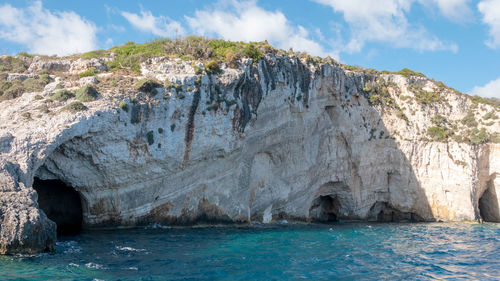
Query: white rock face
point(272, 140)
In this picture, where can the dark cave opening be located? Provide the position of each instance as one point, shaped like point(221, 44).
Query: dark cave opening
point(61, 203)
point(488, 205)
point(325, 209)
point(384, 212)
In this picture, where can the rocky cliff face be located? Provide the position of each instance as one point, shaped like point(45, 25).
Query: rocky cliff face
point(277, 139)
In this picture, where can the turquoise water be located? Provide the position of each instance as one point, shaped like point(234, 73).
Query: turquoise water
point(344, 251)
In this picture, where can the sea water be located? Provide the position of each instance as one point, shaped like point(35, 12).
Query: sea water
point(341, 251)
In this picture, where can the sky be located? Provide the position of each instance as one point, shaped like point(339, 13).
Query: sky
point(454, 41)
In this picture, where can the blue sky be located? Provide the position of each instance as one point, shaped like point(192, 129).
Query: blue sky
point(455, 41)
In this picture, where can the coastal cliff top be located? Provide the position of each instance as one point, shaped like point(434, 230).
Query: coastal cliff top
point(40, 87)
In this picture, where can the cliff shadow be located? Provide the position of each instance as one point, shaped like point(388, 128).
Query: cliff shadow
point(335, 156)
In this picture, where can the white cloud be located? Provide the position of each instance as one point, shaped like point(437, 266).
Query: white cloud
point(492, 89)
point(46, 32)
point(159, 26)
point(116, 28)
point(246, 21)
point(491, 16)
point(454, 10)
point(109, 42)
point(384, 21)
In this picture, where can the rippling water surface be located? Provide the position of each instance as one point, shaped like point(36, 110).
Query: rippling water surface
point(319, 252)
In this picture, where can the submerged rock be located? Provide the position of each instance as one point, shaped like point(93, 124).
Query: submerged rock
point(280, 139)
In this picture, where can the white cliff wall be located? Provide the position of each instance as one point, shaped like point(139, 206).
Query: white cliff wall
point(273, 140)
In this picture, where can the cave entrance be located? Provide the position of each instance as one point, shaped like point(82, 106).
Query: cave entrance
point(61, 203)
point(488, 204)
point(325, 209)
point(385, 212)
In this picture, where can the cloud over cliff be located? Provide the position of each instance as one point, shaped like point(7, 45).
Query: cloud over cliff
point(491, 89)
point(384, 21)
point(46, 32)
point(246, 21)
point(490, 9)
point(159, 26)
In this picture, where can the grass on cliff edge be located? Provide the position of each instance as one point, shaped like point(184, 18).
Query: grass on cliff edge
point(130, 55)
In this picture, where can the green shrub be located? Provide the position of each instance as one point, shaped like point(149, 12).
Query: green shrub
point(24, 54)
point(89, 72)
point(400, 114)
point(353, 68)
point(479, 136)
point(38, 97)
point(427, 97)
point(45, 79)
point(27, 115)
point(160, 130)
point(437, 133)
point(12, 64)
point(124, 106)
point(62, 95)
point(408, 73)
point(178, 87)
point(148, 86)
point(197, 82)
point(379, 93)
point(87, 93)
point(75, 107)
point(94, 54)
point(198, 70)
point(168, 85)
point(490, 115)
point(43, 71)
point(491, 101)
point(495, 137)
point(469, 120)
point(11, 90)
point(231, 59)
point(439, 120)
point(423, 96)
point(35, 84)
point(375, 99)
point(252, 52)
point(187, 58)
point(213, 67)
point(172, 127)
point(5, 85)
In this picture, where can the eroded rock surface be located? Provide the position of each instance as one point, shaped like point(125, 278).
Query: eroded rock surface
point(271, 140)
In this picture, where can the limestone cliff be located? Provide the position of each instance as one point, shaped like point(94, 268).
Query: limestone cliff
point(279, 138)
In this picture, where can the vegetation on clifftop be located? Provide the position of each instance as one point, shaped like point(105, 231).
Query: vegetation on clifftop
point(130, 55)
point(15, 88)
